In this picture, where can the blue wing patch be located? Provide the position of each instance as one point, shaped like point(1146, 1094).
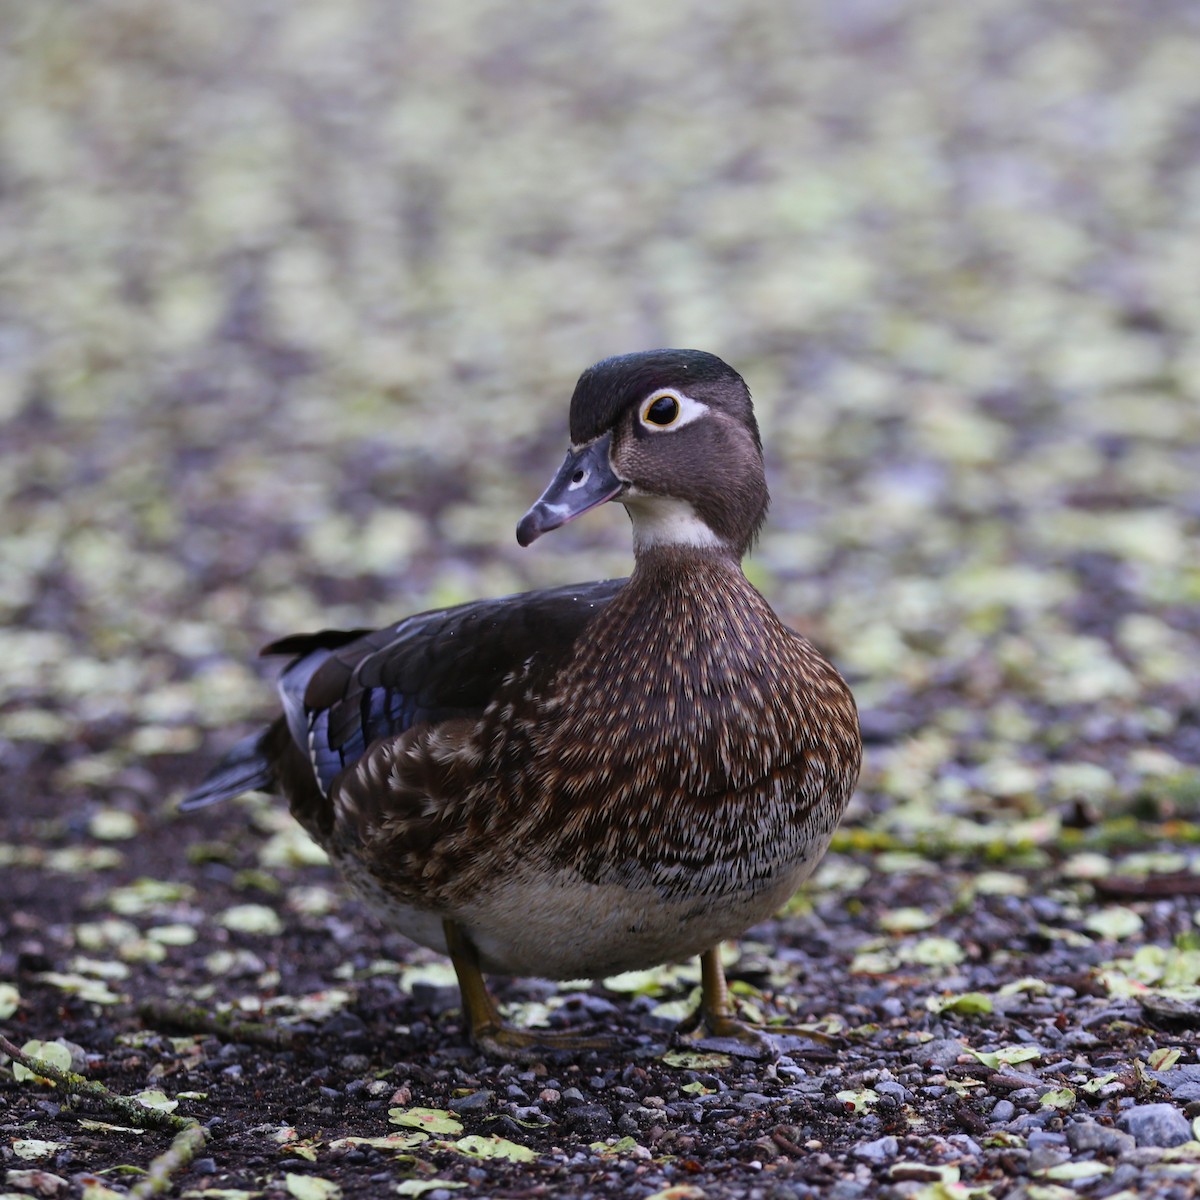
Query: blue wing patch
point(384, 712)
point(347, 690)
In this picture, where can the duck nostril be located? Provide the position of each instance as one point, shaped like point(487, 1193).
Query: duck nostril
point(578, 477)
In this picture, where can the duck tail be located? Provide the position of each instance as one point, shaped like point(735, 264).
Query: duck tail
point(246, 767)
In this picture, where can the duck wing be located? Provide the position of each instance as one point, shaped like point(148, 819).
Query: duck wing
point(347, 689)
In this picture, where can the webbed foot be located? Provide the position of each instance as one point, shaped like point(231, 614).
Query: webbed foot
point(486, 1027)
point(716, 1021)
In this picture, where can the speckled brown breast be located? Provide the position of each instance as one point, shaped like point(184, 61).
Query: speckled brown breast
point(688, 744)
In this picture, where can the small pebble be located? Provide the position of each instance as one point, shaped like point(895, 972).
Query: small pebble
point(878, 1151)
point(589, 1120)
point(1027, 1122)
point(1047, 1156)
point(1125, 1175)
point(475, 1102)
point(941, 1052)
point(1040, 1138)
point(968, 1145)
point(1003, 1111)
point(346, 1025)
point(529, 1112)
point(849, 1189)
point(1092, 1136)
point(1014, 1080)
point(1156, 1125)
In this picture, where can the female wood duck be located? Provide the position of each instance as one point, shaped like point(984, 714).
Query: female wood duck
point(584, 780)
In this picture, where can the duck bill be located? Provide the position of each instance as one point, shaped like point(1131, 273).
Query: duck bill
point(584, 481)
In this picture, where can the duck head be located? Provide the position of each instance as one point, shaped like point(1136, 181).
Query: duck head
point(671, 435)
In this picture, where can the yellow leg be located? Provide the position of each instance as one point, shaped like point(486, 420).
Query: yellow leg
point(717, 1018)
point(486, 1027)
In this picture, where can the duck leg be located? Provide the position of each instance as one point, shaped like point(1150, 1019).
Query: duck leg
point(485, 1025)
point(716, 1016)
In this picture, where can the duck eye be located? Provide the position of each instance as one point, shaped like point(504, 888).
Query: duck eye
point(663, 411)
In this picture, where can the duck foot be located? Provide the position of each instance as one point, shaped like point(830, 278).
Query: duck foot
point(486, 1027)
point(526, 1045)
point(716, 1026)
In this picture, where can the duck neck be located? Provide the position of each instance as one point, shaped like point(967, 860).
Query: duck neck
point(669, 567)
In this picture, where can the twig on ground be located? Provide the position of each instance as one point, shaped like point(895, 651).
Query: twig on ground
point(187, 1144)
point(188, 1017)
point(1178, 883)
point(130, 1110)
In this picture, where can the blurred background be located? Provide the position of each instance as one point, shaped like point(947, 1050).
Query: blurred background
point(293, 297)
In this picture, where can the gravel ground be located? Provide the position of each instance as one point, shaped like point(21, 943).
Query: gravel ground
point(293, 299)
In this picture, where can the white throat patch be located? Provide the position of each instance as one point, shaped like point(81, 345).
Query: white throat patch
point(667, 521)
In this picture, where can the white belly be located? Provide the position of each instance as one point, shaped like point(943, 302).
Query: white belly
point(559, 926)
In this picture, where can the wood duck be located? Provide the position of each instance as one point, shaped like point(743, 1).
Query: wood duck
point(584, 780)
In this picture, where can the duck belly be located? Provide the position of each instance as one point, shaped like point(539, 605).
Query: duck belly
point(561, 926)
point(557, 925)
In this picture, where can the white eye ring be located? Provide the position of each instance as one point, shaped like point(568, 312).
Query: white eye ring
point(686, 410)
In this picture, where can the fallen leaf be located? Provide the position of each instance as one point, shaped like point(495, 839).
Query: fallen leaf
point(218, 1194)
point(91, 990)
point(476, 1146)
point(1074, 1171)
point(618, 1149)
point(9, 999)
point(35, 1148)
point(94, 1190)
point(431, 1120)
point(968, 1003)
point(1164, 1058)
point(107, 1127)
point(858, 1101)
point(934, 952)
point(153, 1098)
point(907, 920)
point(1006, 1057)
point(391, 1141)
point(311, 1187)
point(55, 1054)
point(1113, 923)
point(694, 1061)
point(42, 1183)
point(252, 919)
point(113, 825)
